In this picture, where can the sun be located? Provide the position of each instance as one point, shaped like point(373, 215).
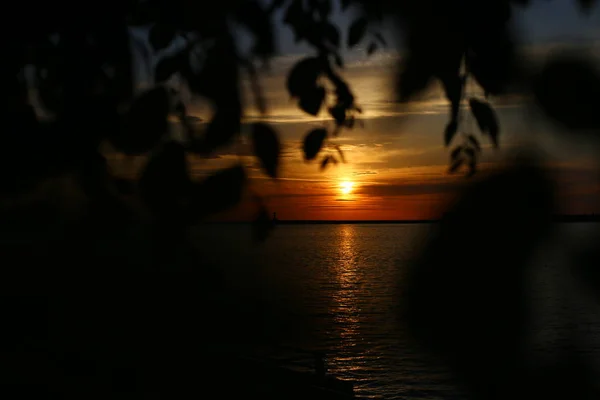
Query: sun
point(346, 187)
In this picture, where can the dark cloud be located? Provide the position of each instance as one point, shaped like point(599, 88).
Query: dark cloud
point(408, 189)
point(362, 173)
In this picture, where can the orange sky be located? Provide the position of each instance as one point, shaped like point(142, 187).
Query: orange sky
point(397, 162)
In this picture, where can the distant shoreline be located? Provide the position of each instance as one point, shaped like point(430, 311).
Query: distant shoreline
point(557, 218)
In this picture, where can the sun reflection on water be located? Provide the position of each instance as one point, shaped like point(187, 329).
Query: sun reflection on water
point(345, 307)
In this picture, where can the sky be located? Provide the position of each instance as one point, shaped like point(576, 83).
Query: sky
point(396, 165)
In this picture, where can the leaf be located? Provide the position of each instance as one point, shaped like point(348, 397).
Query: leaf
point(381, 39)
point(167, 66)
point(266, 147)
point(331, 34)
point(414, 77)
point(372, 48)
point(313, 143)
point(303, 76)
point(124, 186)
point(312, 100)
point(568, 91)
point(486, 119)
point(325, 162)
point(357, 30)
point(450, 132)
point(345, 4)
point(220, 131)
point(145, 123)
point(453, 87)
point(165, 179)
point(161, 36)
point(262, 224)
point(586, 5)
point(491, 60)
point(218, 192)
point(455, 165)
point(341, 153)
point(470, 152)
point(338, 113)
point(474, 142)
point(472, 168)
point(455, 153)
point(339, 61)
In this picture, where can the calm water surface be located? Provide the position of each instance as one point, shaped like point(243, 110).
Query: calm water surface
point(337, 287)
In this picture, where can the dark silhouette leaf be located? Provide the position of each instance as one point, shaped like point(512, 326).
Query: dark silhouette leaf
point(568, 91)
point(218, 192)
point(338, 113)
point(339, 61)
point(266, 147)
point(455, 165)
point(331, 34)
point(341, 153)
point(413, 78)
point(303, 76)
point(491, 59)
point(357, 30)
point(221, 130)
point(311, 101)
point(486, 119)
point(262, 224)
point(325, 162)
point(350, 122)
point(470, 153)
point(381, 39)
point(145, 124)
point(124, 186)
point(472, 168)
point(455, 153)
point(313, 143)
point(453, 87)
point(256, 19)
point(372, 48)
point(168, 66)
point(165, 180)
point(345, 4)
point(450, 132)
point(474, 142)
point(161, 36)
point(586, 5)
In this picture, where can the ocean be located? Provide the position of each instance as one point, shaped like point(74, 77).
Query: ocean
point(333, 288)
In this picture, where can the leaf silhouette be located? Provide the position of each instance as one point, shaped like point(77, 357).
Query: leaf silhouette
point(470, 153)
point(224, 126)
point(586, 5)
point(339, 61)
point(145, 123)
point(357, 30)
point(372, 48)
point(331, 34)
point(345, 4)
point(218, 192)
point(414, 77)
point(161, 36)
point(472, 168)
point(474, 142)
point(325, 162)
point(455, 153)
point(167, 66)
point(313, 143)
point(568, 91)
point(341, 153)
point(486, 119)
point(303, 76)
point(266, 147)
point(165, 180)
point(262, 224)
point(381, 39)
point(312, 100)
point(450, 132)
point(455, 165)
point(338, 113)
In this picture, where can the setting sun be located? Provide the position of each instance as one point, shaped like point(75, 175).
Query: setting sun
point(346, 187)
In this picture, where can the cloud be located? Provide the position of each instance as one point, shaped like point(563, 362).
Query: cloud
point(409, 189)
point(362, 173)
